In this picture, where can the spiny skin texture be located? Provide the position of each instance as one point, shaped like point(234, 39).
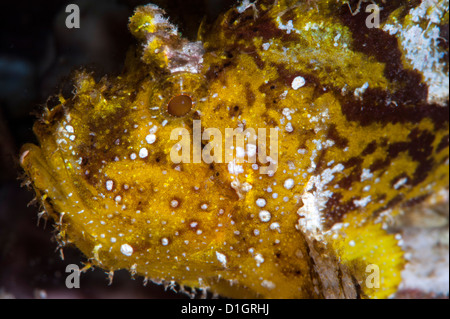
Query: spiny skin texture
point(360, 137)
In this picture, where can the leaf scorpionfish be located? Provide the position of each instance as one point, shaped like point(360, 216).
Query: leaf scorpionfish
point(361, 116)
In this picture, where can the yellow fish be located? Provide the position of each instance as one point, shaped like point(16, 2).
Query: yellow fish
point(340, 116)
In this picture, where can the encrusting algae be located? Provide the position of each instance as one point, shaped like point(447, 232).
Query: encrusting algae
point(361, 116)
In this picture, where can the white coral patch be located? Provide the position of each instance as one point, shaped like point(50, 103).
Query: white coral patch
point(314, 202)
point(421, 46)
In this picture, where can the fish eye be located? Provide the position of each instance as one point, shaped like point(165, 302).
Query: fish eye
point(180, 105)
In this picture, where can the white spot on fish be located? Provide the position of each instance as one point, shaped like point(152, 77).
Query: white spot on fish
point(298, 82)
point(126, 249)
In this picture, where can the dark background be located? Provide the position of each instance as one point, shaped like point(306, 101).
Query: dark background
point(37, 55)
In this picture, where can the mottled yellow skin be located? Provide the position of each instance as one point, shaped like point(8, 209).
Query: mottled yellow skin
point(186, 223)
